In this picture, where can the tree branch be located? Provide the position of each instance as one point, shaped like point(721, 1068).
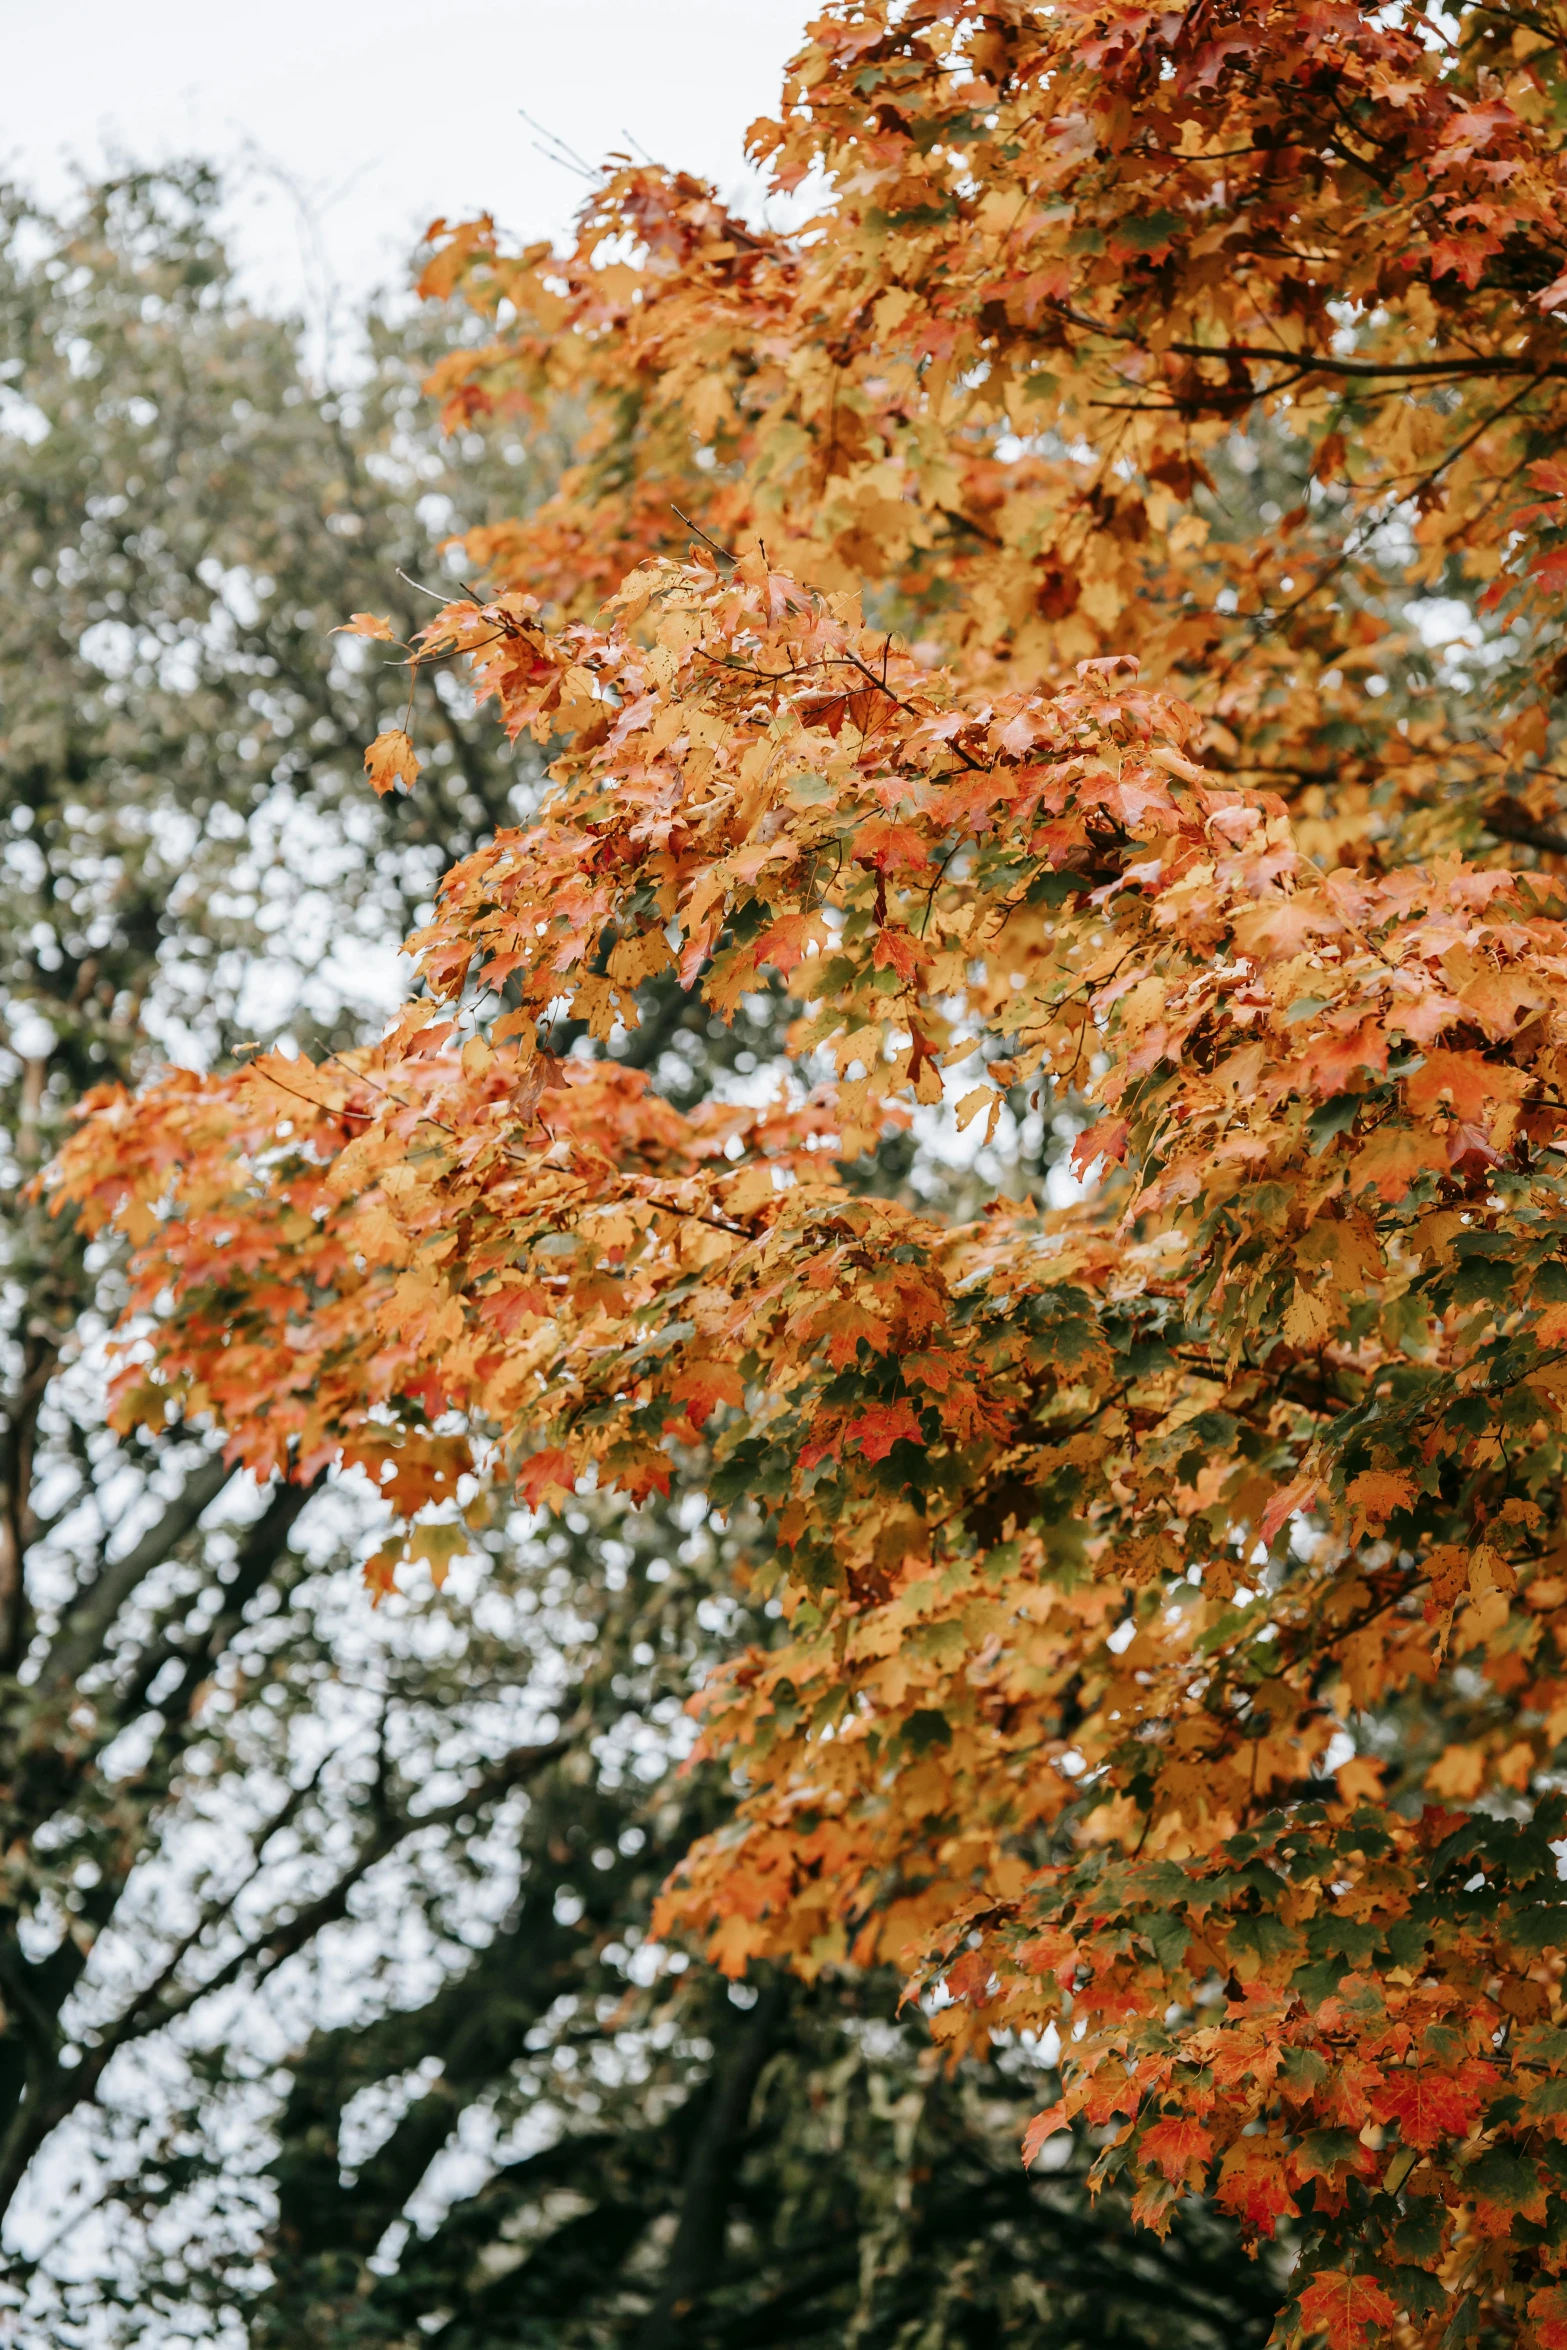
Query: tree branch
point(268, 1951)
point(1326, 363)
point(80, 1639)
point(1508, 826)
point(697, 2251)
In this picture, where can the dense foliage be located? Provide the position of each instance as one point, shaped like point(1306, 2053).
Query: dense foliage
point(331, 2010)
point(1168, 1584)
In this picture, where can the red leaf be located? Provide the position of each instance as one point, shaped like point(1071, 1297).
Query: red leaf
point(1104, 1140)
point(900, 951)
point(1346, 2308)
point(1044, 2125)
point(1548, 2308)
point(1427, 2106)
point(879, 1429)
point(1180, 2148)
point(545, 1473)
point(1465, 255)
point(1294, 1496)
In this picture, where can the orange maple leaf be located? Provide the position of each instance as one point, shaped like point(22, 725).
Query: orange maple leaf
point(1333, 1060)
point(787, 941)
point(1180, 2148)
point(1447, 1571)
point(1044, 2125)
point(1471, 1083)
point(844, 1325)
point(1375, 1494)
point(1128, 919)
point(1346, 2308)
point(391, 760)
point(1105, 1140)
point(702, 1387)
point(1252, 2184)
point(890, 848)
point(1284, 926)
point(544, 1474)
point(1394, 1158)
point(368, 624)
point(898, 950)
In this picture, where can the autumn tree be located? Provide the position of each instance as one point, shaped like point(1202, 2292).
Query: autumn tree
point(303, 1906)
point(1171, 1577)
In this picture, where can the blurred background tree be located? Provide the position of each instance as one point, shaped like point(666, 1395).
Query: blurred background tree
point(329, 2010)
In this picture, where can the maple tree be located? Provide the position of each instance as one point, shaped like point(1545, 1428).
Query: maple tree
point(273, 1861)
point(1172, 1582)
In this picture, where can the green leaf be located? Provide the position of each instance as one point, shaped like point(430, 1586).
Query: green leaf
point(1337, 1115)
point(927, 1729)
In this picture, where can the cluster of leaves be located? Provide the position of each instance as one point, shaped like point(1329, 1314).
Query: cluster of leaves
point(1069, 252)
point(1171, 1584)
point(1020, 1473)
point(331, 2009)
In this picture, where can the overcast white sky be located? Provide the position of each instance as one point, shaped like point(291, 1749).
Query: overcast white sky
point(384, 112)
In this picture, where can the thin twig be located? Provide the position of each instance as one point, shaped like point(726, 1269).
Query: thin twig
point(703, 535)
point(1310, 363)
point(434, 594)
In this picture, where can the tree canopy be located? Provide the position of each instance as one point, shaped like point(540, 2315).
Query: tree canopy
point(331, 2006)
point(1168, 1579)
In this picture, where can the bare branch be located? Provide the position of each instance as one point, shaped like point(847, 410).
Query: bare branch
point(80, 1639)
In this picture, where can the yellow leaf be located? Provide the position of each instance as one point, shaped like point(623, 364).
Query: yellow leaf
point(390, 760)
point(638, 957)
point(1458, 1771)
point(1489, 1571)
point(367, 624)
point(982, 1097)
point(439, 1544)
point(1309, 1319)
point(751, 1189)
point(1375, 1494)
